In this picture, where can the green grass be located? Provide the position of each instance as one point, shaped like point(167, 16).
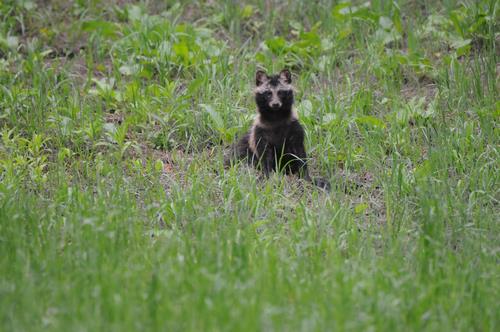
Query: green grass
point(116, 212)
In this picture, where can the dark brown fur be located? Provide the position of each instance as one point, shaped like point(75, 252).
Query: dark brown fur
point(275, 141)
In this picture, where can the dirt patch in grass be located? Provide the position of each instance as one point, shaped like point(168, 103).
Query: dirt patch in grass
point(423, 87)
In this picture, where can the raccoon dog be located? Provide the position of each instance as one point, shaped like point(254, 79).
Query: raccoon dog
point(275, 141)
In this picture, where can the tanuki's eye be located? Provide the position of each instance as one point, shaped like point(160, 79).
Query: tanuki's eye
point(267, 94)
point(283, 93)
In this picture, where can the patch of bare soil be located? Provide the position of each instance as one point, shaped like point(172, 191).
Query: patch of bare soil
point(424, 87)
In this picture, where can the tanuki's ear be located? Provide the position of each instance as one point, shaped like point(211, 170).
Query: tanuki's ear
point(260, 77)
point(286, 76)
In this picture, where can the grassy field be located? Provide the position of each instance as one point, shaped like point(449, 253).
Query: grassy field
point(116, 212)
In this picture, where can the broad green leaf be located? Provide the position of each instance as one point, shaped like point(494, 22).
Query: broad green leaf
point(134, 13)
point(247, 11)
point(182, 51)
point(276, 45)
point(360, 208)
point(371, 121)
point(305, 108)
point(214, 116)
point(385, 22)
point(107, 29)
point(128, 70)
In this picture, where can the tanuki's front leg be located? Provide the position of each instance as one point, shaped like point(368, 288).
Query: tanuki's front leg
point(266, 158)
point(268, 161)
